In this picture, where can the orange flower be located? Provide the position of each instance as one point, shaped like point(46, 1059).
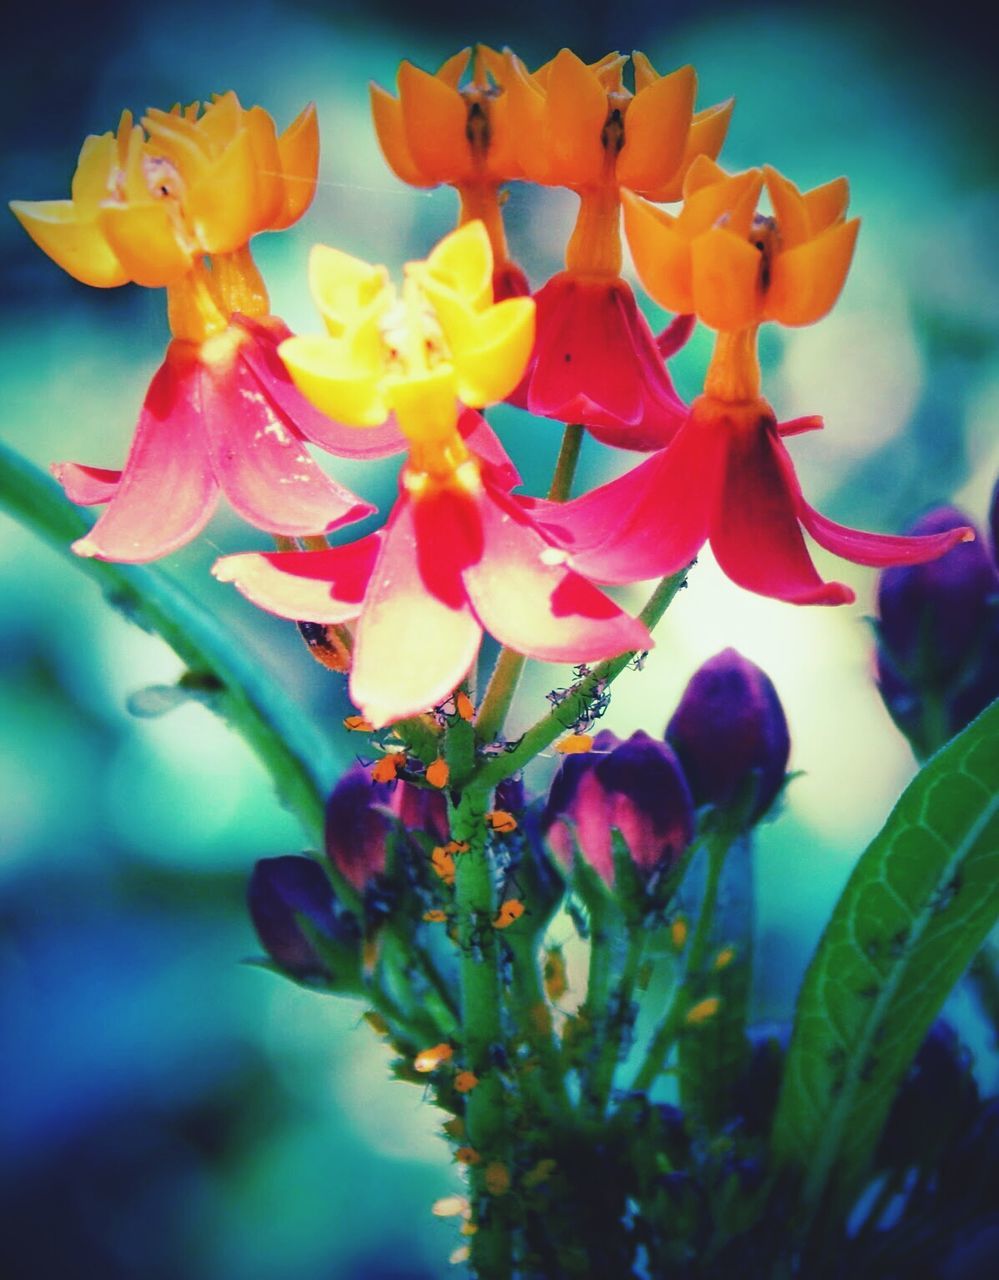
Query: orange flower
point(440, 129)
point(735, 267)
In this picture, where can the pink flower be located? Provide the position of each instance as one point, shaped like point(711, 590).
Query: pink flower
point(728, 479)
point(221, 414)
point(458, 556)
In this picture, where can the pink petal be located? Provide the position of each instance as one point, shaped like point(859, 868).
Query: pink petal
point(484, 442)
point(87, 486)
point(167, 492)
point(525, 596)
point(878, 549)
point(651, 521)
point(259, 459)
point(675, 335)
point(308, 586)
point(345, 442)
point(410, 650)
point(755, 534)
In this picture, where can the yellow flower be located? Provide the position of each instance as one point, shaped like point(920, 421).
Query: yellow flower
point(733, 267)
point(150, 201)
point(414, 354)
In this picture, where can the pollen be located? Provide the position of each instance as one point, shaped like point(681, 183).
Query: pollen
point(703, 1011)
point(428, 1060)
point(509, 911)
point(438, 773)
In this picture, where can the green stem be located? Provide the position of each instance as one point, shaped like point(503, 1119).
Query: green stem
point(533, 1017)
point(662, 1041)
point(551, 726)
point(617, 1024)
point(565, 467)
point(297, 756)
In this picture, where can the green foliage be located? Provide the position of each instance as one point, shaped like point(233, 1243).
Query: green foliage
point(919, 904)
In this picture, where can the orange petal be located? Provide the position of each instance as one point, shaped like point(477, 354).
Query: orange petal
point(141, 235)
point(645, 72)
point(704, 140)
point(527, 119)
point(726, 276)
point(655, 131)
point(98, 158)
point(452, 69)
point(221, 207)
point(805, 282)
point(731, 202)
point(826, 204)
point(298, 151)
point(386, 112)
point(789, 209)
point(434, 117)
point(661, 254)
point(576, 111)
point(267, 165)
point(79, 247)
point(501, 157)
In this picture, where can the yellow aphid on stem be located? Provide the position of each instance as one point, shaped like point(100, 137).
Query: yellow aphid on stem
point(428, 1060)
point(435, 916)
point(442, 862)
point(703, 1011)
point(554, 974)
point(357, 724)
point(438, 773)
point(497, 1178)
point(451, 1207)
point(509, 912)
point(463, 705)
point(501, 821)
point(724, 957)
point(387, 768)
point(574, 744)
point(465, 1081)
point(678, 933)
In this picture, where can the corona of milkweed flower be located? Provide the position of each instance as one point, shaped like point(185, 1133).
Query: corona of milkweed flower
point(458, 555)
point(172, 202)
point(577, 126)
point(727, 477)
point(444, 128)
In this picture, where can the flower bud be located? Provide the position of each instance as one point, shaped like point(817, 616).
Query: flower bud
point(635, 786)
point(358, 826)
point(731, 737)
point(296, 914)
point(938, 637)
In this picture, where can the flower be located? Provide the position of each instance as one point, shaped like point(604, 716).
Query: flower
point(733, 267)
point(728, 479)
point(441, 130)
point(730, 735)
point(285, 892)
point(458, 554)
point(637, 787)
point(574, 125)
point(358, 825)
point(149, 204)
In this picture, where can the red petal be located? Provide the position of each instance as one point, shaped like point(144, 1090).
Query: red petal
point(259, 459)
point(448, 529)
point(797, 426)
point(485, 444)
point(509, 281)
point(675, 335)
point(526, 597)
point(345, 442)
point(410, 649)
point(651, 521)
point(878, 549)
point(86, 486)
point(167, 492)
point(755, 534)
point(308, 586)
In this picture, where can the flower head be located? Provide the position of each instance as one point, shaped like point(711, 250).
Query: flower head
point(730, 734)
point(636, 787)
point(734, 267)
point(293, 908)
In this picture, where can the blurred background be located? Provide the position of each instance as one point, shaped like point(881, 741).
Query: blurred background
point(169, 1111)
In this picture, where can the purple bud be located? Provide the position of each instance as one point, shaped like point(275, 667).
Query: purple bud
point(994, 523)
point(357, 829)
point(730, 735)
point(280, 891)
point(934, 617)
point(636, 786)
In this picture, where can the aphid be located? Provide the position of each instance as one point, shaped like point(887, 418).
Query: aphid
point(501, 821)
point(638, 661)
point(442, 862)
point(438, 772)
point(465, 1081)
point(574, 744)
point(509, 911)
point(702, 1011)
point(387, 768)
point(358, 724)
point(436, 916)
point(430, 1059)
point(325, 645)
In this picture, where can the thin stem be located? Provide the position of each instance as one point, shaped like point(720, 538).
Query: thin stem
point(618, 1024)
point(534, 1021)
point(573, 708)
point(565, 467)
point(680, 1006)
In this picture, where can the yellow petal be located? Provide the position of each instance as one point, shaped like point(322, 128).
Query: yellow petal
point(527, 120)
point(341, 286)
point(298, 152)
point(789, 209)
point(425, 403)
point(726, 279)
point(434, 116)
point(463, 262)
point(806, 281)
point(79, 247)
point(826, 204)
point(661, 254)
point(98, 158)
point(655, 131)
point(269, 185)
point(142, 237)
point(179, 140)
point(492, 353)
point(221, 207)
point(386, 112)
point(576, 112)
point(704, 140)
point(320, 369)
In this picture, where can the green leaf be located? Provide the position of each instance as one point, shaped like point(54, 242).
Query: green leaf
point(298, 757)
point(919, 904)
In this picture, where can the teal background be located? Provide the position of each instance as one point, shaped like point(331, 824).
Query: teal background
point(168, 1111)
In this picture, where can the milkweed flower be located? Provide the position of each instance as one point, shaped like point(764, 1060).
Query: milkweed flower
point(458, 554)
point(446, 128)
point(172, 202)
point(727, 477)
point(577, 126)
